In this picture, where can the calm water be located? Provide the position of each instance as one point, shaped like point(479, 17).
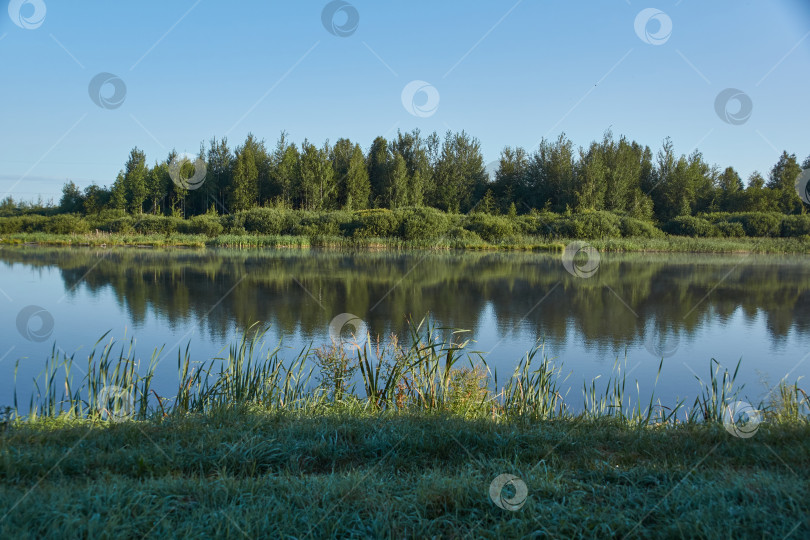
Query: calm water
point(688, 308)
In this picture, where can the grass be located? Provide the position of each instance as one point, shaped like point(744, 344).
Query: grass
point(676, 244)
point(252, 445)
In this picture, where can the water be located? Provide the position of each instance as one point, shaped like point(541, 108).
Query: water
point(635, 308)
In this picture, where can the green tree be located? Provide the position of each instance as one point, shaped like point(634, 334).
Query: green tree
point(72, 199)
point(782, 181)
point(244, 189)
point(460, 173)
point(731, 189)
point(136, 174)
point(357, 186)
point(378, 163)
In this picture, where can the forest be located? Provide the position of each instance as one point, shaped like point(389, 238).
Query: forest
point(618, 182)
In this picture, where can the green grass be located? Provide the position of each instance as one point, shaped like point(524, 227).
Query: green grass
point(676, 244)
point(255, 445)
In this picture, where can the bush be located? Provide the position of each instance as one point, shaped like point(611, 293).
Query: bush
point(730, 230)
point(65, 224)
point(538, 223)
point(261, 220)
point(640, 229)
point(793, 226)
point(117, 225)
point(378, 223)
point(691, 226)
point(321, 224)
point(207, 224)
point(422, 223)
point(490, 228)
point(593, 225)
point(759, 223)
point(149, 224)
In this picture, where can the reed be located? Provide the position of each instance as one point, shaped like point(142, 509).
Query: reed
point(433, 372)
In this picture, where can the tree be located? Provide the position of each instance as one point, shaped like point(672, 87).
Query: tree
point(72, 199)
point(730, 186)
point(95, 198)
point(317, 187)
point(118, 196)
point(158, 186)
point(460, 173)
point(218, 176)
point(782, 181)
point(396, 194)
point(510, 178)
point(285, 171)
point(758, 198)
point(244, 189)
point(135, 180)
point(356, 185)
point(379, 161)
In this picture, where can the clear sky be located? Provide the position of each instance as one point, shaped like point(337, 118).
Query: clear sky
point(507, 72)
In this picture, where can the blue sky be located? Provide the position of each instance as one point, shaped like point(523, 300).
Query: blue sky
point(508, 73)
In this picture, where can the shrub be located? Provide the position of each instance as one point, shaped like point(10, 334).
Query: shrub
point(691, 226)
point(117, 225)
point(378, 223)
point(538, 223)
point(422, 223)
point(65, 224)
point(207, 224)
point(261, 220)
point(759, 223)
point(148, 224)
point(730, 230)
point(321, 224)
point(592, 225)
point(490, 228)
point(641, 229)
point(795, 225)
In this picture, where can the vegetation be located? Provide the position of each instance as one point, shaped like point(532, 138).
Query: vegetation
point(248, 447)
point(414, 227)
point(618, 176)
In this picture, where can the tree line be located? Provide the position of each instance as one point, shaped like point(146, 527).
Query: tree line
point(447, 173)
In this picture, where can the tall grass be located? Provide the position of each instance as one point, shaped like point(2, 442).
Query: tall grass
point(429, 373)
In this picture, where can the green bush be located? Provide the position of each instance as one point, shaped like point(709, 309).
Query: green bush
point(463, 236)
point(490, 228)
point(640, 229)
point(261, 220)
point(759, 223)
point(793, 226)
point(730, 230)
point(538, 223)
point(377, 223)
point(422, 223)
point(321, 224)
point(593, 225)
point(65, 224)
point(149, 224)
point(206, 224)
point(691, 226)
point(117, 225)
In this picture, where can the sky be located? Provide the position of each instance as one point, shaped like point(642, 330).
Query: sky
point(82, 82)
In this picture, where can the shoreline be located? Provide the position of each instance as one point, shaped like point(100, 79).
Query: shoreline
point(671, 244)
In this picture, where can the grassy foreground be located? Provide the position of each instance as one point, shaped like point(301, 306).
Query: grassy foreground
point(674, 244)
point(350, 473)
point(249, 448)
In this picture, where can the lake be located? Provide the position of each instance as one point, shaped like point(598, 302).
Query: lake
point(636, 308)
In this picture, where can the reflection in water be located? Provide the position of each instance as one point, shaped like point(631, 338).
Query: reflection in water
point(653, 303)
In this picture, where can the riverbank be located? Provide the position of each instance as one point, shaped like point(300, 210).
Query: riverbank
point(671, 244)
point(247, 447)
point(349, 472)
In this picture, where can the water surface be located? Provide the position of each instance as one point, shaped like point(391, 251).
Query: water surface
point(637, 308)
